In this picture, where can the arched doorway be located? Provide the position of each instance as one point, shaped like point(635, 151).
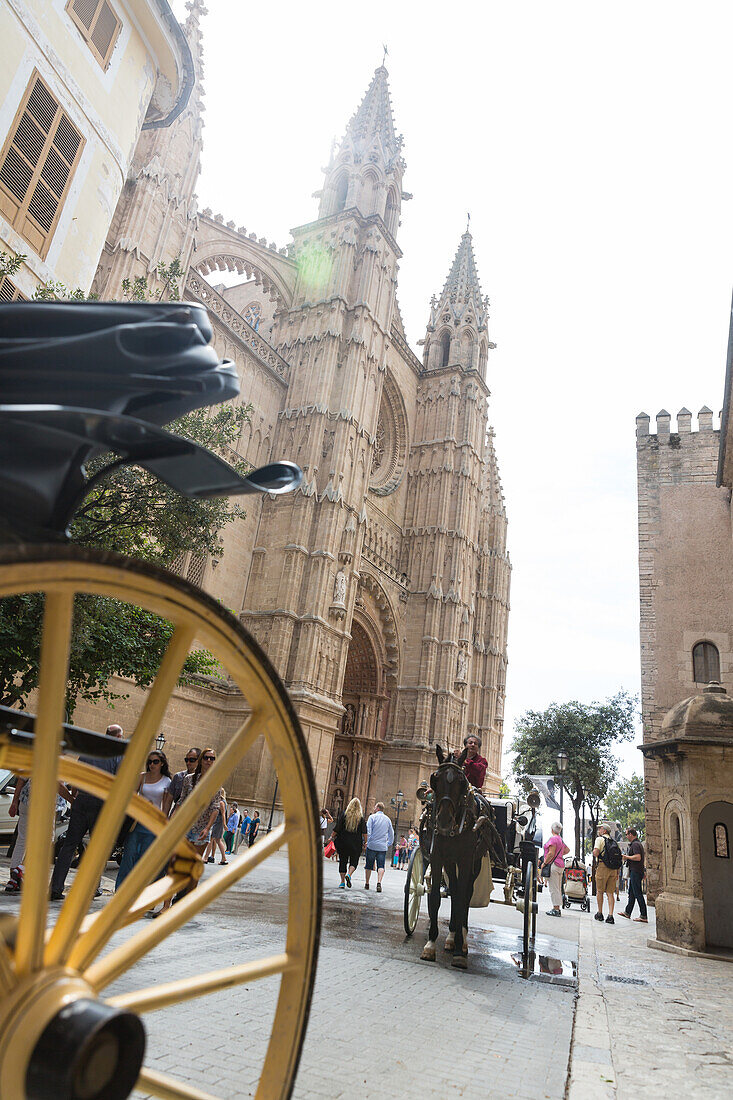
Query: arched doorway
point(358, 746)
point(716, 866)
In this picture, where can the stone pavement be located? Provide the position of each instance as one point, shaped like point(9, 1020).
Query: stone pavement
point(382, 1020)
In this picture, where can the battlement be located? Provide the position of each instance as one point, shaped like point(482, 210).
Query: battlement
point(684, 423)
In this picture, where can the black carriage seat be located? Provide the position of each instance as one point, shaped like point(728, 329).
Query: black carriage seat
point(81, 378)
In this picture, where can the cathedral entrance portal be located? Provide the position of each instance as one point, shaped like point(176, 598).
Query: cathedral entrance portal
point(358, 746)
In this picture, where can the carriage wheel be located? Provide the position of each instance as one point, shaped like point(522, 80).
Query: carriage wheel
point(529, 907)
point(59, 1035)
point(414, 890)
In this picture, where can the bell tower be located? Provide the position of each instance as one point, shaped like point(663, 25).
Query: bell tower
point(335, 335)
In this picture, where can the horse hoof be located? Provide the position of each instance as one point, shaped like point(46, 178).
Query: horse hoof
point(450, 940)
point(428, 954)
point(460, 962)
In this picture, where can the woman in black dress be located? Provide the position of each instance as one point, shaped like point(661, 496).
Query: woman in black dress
point(349, 836)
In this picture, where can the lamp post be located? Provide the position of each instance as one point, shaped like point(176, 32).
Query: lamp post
point(399, 804)
point(272, 807)
point(562, 767)
point(159, 742)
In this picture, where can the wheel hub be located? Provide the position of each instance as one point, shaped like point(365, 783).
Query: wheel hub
point(57, 1041)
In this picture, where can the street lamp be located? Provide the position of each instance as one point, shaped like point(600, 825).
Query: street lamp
point(562, 767)
point(399, 804)
point(159, 742)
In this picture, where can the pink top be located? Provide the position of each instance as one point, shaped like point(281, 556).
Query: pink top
point(558, 844)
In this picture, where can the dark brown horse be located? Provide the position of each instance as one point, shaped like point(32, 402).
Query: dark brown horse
point(455, 836)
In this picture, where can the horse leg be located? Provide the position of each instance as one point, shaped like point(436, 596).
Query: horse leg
point(450, 939)
point(436, 874)
point(465, 878)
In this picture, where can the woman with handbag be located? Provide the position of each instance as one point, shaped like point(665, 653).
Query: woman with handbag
point(552, 867)
point(349, 835)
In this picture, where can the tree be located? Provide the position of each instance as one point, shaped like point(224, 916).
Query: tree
point(131, 512)
point(625, 803)
point(587, 733)
point(504, 789)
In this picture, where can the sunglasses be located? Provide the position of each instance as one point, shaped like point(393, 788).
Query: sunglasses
point(155, 760)
point(208, 758)
point(191, 759)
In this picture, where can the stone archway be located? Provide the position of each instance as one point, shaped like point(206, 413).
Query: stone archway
point(221, 247)
point(365, 695)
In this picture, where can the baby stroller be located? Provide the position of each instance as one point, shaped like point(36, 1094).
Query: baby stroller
point(575, 885)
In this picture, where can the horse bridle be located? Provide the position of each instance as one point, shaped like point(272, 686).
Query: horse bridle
point(455, 829)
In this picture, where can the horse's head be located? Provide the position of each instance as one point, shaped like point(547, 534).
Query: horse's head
point(451, 787)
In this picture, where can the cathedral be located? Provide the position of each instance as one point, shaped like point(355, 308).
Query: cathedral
point(379, 589)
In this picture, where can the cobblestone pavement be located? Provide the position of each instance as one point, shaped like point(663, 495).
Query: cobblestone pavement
point(382, 1020)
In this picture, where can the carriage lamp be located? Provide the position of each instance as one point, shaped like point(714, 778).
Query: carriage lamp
point(159, 742)
point(399, 804)
point(562, 767)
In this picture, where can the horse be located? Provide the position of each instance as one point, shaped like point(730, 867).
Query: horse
point(455, 836)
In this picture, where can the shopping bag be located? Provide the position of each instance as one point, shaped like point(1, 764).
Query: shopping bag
point(329, 850)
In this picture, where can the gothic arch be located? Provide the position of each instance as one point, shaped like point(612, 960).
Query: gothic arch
point(387, 626)
point(220, 248)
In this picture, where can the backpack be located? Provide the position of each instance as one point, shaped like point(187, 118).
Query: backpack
point(611, 854)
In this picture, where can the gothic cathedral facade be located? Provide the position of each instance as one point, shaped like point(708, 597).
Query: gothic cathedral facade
point(380, 589)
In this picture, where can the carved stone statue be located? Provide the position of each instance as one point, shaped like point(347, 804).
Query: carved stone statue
point(347, 722)
point(337, 804)
point(462, 670)
point(339, 588)
point(342, 769)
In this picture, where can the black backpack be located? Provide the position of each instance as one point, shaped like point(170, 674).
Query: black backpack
point(611, 854)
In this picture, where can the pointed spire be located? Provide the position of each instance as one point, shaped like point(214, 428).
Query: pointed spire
point(373, 118)
point(462, 284)
point(192, 29)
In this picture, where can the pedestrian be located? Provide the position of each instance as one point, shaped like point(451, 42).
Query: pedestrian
point(413, 841)
point(217, 832)
point(84, 813)
point(607, 855)
point(191, 759)
point(380, 835)
point(403, 851)
point(325, 819)
point(349, 836)
point(555, 850)
point(254, 828)
point(19, 807)
point(635, 866)
point(198, 834)
point(243, 830)
point(155, 787)
point(232, 829)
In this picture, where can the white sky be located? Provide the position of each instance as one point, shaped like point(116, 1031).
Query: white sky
point(591, 143)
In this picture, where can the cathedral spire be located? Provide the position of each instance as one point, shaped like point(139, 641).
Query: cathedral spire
point(457, 331)
point(192, 29)
point(373, 119)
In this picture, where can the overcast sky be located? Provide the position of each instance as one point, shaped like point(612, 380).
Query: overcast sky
point(591, 143)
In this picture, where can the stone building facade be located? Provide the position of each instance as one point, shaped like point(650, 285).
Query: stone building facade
point(380, 589)
point(685, 569)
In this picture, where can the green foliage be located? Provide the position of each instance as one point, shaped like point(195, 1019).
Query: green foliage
point(625, 803)
point(587, 733)
point(10, 265)
point(504, 789)
point(129, 512)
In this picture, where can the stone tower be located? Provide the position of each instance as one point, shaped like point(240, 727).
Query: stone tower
point(455, 529)
point(156, 216)
point(335, 334)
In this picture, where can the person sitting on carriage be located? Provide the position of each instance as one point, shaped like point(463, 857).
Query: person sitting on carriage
point(473, 765)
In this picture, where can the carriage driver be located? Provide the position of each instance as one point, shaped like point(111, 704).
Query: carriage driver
point(473, 765)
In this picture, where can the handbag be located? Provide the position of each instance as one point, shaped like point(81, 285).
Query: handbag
point(329, 850)
point(547, 867)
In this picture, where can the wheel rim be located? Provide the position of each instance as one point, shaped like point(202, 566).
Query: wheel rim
point(414, 890)
point(42, 971)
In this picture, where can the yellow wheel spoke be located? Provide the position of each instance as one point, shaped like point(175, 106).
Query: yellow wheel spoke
point(116, 962)
point(7, 977)
point(112, 814)
point(159, 1084)
point(173, 993)
point(160, 851)
point(54, 666)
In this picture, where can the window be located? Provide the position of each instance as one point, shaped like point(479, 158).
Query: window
point(342, 190)
point(98, 24)
point(720, 834)
point(705, 663)
point(9, 291)
point(36, 166)
point(253, 315)
point(445, 349)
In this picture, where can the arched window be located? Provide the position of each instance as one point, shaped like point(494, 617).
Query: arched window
point(720, 836)
point(369, 187)
point(705, 663)
point(467, 349)
point(253, 315)
point(390, 213)
point(445, 349)
point(676, 831)
point(342, 190)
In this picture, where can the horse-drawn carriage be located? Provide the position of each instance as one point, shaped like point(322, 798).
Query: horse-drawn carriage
point(78, 380)
point(467, 843)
